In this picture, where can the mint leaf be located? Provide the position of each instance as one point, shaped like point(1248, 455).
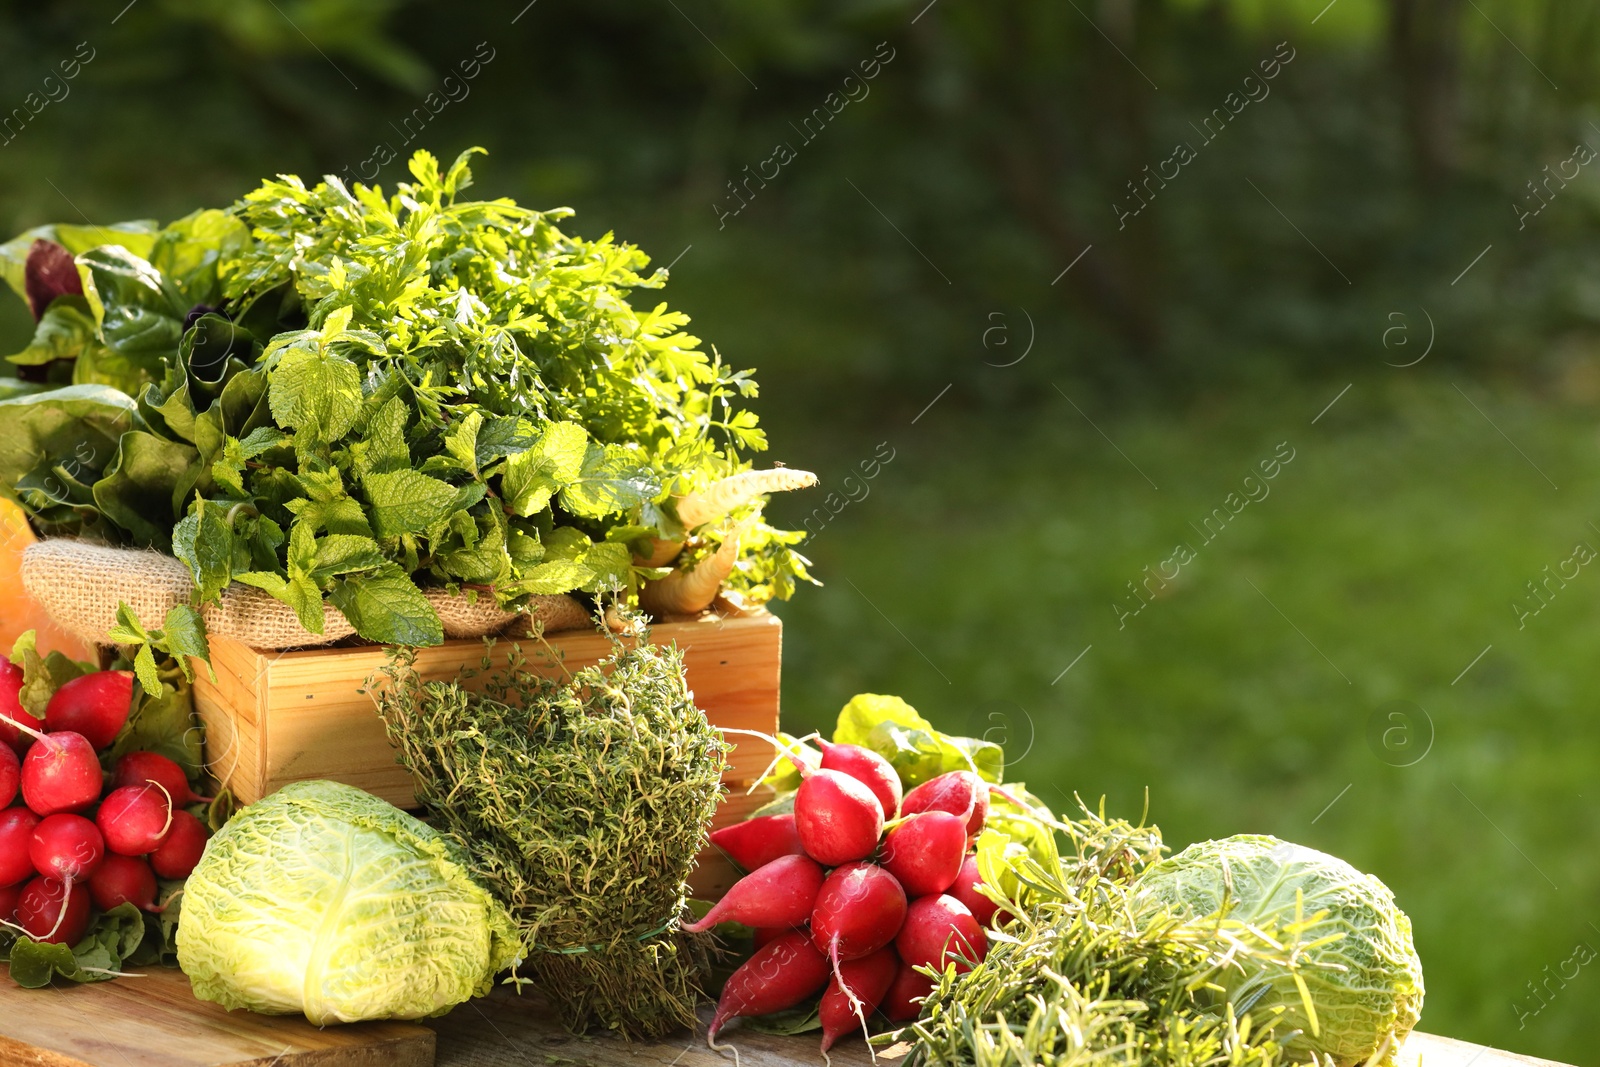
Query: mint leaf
point(557, 576)
point(611, 481)
point(343, 554)
point(183, 634)
point(144, 667)
point(462, 442)
point(204, 542)
point(315, 392)
point(300, 593)
point(385, 448)
point(531, 478)
point(406, 502)
point(387, 607)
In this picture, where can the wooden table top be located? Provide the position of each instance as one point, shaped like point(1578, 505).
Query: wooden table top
point(505, 1029)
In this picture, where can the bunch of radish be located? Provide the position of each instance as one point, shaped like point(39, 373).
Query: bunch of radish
point(81, 839)
point(854, 891)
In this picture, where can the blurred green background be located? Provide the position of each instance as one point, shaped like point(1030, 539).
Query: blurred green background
point(1400, 223)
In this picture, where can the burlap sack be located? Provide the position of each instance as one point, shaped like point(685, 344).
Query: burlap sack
point(80, 584)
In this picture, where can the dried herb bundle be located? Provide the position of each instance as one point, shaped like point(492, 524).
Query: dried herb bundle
point(1088, 976)
point(582, 806)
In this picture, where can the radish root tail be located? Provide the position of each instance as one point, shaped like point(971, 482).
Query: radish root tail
point(711, 1043)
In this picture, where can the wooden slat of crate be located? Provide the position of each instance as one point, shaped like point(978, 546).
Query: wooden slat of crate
point(274, 718)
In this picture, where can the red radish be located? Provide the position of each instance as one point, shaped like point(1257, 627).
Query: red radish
point(60, 773)
point(940, 930)
point(765, 937)
point(757, 842)
point(16, 838)
point(137, 768)
point(779, 976)
point(135, 819)
point(903, 1002)
point(10, 776)
point(854, 993)
point(780, 894)
point(8, 902)
point(958, 792)
point(67, 848)
point(966, 890)
point(53, 912)
point(925, 851)
point(838, 818)
point(121, 879)
point(94, 705)
point(868, 768)
point(11, 710)
point(859, 910)
point(181, 849)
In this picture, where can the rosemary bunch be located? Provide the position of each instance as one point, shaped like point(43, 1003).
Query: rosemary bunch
point(1087, 977)
point(582, 806)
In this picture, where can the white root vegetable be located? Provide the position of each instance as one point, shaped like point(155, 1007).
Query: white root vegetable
point(723, 496)
point(688, 590)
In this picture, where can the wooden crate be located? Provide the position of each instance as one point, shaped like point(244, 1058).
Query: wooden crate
point(272, 718)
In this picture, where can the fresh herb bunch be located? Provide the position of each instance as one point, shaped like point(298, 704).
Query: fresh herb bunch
point(327, 392)
point(582, 805)
point(1086, 977)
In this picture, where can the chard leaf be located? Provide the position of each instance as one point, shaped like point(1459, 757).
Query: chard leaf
point(140, 484)
point(66, 329)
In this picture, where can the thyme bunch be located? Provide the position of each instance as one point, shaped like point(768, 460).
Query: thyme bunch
point(582, 805)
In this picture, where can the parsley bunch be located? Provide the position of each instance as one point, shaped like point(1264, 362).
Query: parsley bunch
point(327, 392)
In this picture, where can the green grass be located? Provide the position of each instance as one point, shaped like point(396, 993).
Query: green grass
point(989, 552)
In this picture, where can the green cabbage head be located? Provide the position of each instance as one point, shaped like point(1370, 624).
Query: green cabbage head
point(326, 900)
point(1365, 984)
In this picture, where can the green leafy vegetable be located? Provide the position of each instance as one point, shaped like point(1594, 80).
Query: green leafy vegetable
point(459, 383)
point(325, 900)
point(893, 729)
point(1355, 988)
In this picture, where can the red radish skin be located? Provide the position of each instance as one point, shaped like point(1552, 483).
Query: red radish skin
point(137, 768)
point(966, 890)
point(778, 977)
point(53, 912)
point(121, 879)
point(938, 931)
point(94, 705)
point(855, 993)
point(838, 818)
point(12, 712)
point(762, 938)
point(780, 894)
point(756, 842)
point(859, 910)
point(16, 838)
point(181, 849)
point(67, 848)
point(868, 768)
point(9, 896)
point(958, 792)
point(925, 851)
point(135, 819)
point(61, 773)
point(10, 776)
point(903, 1002)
